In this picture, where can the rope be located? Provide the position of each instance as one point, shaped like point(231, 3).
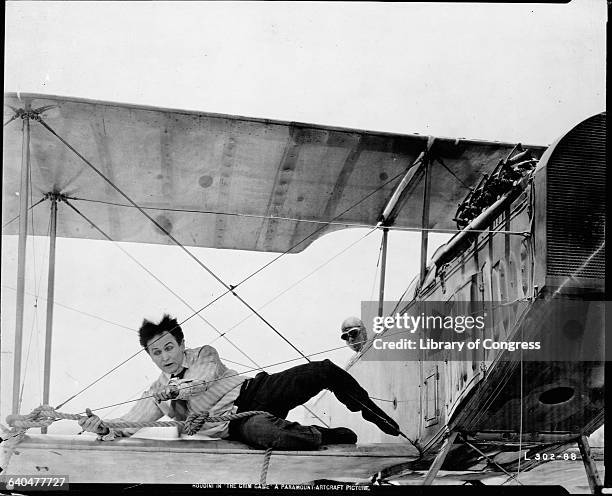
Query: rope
point(45, 415)
point(265, 466)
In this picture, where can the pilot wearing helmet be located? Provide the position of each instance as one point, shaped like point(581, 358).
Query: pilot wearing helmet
point(354, 333)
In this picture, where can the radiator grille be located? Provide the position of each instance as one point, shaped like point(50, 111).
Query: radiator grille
point(576, 200)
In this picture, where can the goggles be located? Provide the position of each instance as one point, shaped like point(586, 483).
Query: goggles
point(350, 333)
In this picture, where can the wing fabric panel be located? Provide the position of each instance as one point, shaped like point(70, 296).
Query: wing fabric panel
point(180, 163)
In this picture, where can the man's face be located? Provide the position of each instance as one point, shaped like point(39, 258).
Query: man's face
point(355, 337)
point(166, 352)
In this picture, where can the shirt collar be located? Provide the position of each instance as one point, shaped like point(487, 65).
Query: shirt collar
point(184, 364)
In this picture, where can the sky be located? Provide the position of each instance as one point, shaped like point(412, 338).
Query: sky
point(512, 72)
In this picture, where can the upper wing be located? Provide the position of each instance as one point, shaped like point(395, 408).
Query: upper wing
point(224, 181)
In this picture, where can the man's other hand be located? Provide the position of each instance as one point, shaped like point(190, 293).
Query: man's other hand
point(170, 392)
point(93, 423)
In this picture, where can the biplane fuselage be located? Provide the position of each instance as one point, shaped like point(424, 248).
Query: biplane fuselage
point(555, 274)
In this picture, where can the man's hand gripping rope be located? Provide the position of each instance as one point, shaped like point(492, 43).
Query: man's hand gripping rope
point(45, 415)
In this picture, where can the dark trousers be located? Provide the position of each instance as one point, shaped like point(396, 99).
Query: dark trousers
point(279, 393)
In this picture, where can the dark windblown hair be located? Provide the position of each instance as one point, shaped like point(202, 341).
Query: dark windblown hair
point(148, 330)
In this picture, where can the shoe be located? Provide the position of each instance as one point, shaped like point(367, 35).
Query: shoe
point(337, 435)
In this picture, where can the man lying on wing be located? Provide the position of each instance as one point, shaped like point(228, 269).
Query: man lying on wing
point(195, 381)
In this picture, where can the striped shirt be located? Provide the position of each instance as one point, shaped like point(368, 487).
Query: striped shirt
point(207, 386)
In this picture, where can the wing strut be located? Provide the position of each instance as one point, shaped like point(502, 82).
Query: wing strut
point(420, 168)
point(427, 163)
point(21, 252)
point(383, 266)
point(53, 198)
point(402, 191)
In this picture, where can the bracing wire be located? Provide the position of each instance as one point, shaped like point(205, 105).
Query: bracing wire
point(439, 160)
point(241, 282)
point(134, 396)
point(39, 285)
point(182, 300)
point(29, 208)
point(518, 468)
point(179, 297)
point(283, 362)
point(198, 261)
point(36, 287)
point(220, 334)
point(227, 214)
point(324, 223)
point(250, 315)
point(25, 371)
point(414, 443)
point(316, 269)
point(399, 301)
point(376, 268)
point(10, 120)
point(319, 229)
point(125, 361)
point(221, 378)
point(72, 309)
point(171, 237)
point(511, 476)
point(291, 287)
point(389, 401)
point(59, 304)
